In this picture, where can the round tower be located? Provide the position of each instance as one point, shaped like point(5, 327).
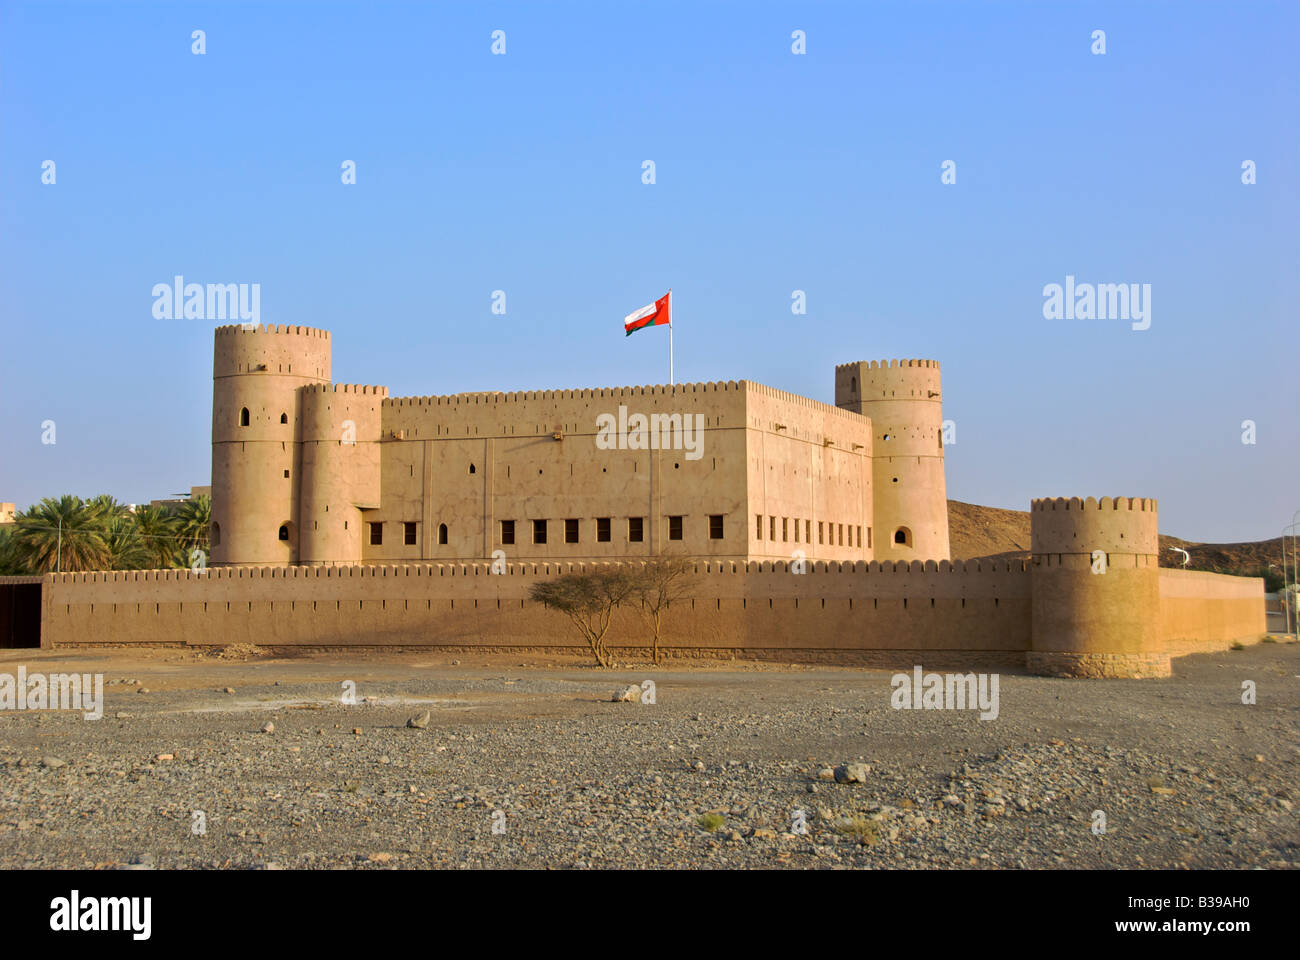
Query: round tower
point(910, 496)
point(1095, 588)
point(257, 373)
point(340, 469)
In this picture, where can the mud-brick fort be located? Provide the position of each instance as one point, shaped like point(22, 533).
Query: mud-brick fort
point(343, 517)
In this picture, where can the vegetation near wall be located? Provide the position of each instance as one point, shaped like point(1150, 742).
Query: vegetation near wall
point(69, 534)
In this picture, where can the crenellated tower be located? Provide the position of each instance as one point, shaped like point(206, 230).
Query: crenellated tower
point(910, 498)
point(1096, 589)
point(341, 426)
point(257, 376)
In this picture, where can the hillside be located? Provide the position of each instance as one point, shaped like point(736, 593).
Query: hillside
point(976, 531)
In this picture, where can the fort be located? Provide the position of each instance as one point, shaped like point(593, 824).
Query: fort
point(342, 517)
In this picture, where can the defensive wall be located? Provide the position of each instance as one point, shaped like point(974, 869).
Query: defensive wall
point(978, 613)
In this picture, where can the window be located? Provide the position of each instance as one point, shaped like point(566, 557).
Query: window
point(216, 534)
point(771, 528)
point(807, 531)
point(507, 531)
point(243, 417)
point(902, 537)
point(785, 529)
point(539, 531)
point(376, 534)
point(635, 529)
point(284, 418)
point(841, 534)
point(674, 528)
point(820, 537)
point(408, 533)
point(715, 526)
point(758, 527)
point(471, 468)
point(602, 529)
point(571, 531)
point(796, 529)
point(284, 531)
point(286, 474)
point(853, 384)
point(859, 536)
point(442, 533)
point(868, 538)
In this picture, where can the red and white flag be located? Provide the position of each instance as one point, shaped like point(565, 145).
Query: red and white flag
point(655, 315)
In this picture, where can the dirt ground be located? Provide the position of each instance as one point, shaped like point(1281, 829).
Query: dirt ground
point(525, 762)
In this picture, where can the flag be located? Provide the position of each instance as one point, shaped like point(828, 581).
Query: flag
point(654, 315)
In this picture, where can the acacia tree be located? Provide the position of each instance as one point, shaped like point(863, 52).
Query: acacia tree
point(587, 599)
point(659, 584)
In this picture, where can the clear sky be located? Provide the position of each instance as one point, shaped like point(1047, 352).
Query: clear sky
point(775, 172)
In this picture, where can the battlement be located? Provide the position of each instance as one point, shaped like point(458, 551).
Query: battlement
point(623, 393)
point(320, 388)
point(590, 393)
point(1141, 504)
point(265, 328)
point(888, 364)
point(1075, 526)
point(543, 568)
point(807, 402)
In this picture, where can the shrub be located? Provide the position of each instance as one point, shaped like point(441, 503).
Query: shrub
point(712, 822)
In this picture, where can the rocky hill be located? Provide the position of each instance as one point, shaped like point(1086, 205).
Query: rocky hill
point(976, 531)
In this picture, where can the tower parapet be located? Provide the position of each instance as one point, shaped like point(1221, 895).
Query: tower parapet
point(1096, 588)
point(909, 492)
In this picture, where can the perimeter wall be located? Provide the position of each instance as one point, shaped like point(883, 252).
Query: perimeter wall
point(977, 612)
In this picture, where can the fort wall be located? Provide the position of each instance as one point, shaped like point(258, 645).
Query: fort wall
point(1202, 612)
point(460, 467)
point(884, 614)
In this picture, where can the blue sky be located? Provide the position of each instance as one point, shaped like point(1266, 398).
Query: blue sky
point(774, 173)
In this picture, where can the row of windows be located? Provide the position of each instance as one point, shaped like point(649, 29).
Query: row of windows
point(604, 527)
point(408, 533)
point(572, 530)
point(835, 529)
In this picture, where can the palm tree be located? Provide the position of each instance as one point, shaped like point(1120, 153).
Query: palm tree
point(193, 520)
point(156, 528)
point(11, 560)
point(63, 534)
point(108, 508)
point(124, 550)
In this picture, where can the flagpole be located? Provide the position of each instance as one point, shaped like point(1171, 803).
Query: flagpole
point(672, 381)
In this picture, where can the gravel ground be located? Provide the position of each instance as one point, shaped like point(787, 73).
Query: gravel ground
point(522, 765)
